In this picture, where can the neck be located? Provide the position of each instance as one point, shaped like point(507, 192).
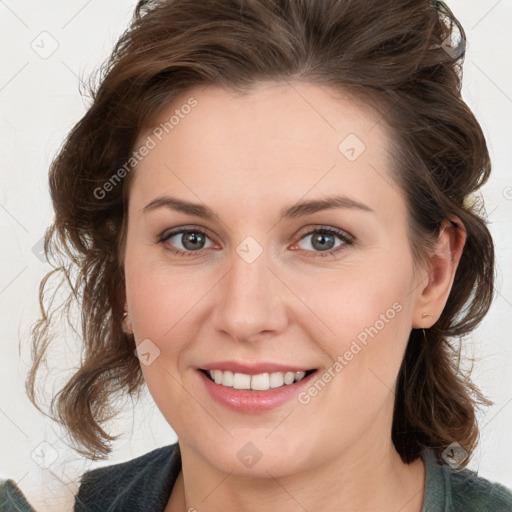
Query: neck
point(353, 482)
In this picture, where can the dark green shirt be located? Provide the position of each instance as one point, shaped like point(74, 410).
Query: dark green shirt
point(145, 483)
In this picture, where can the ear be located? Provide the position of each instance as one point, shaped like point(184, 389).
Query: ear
point(437, 280)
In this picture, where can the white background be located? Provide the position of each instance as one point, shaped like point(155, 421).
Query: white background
point(40, 102)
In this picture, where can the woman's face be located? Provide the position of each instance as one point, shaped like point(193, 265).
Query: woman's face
point(261, 283)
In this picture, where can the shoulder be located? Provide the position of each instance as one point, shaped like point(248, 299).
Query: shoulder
point(12, 499)
point(472, 492)
point(454, 490)
point(143, 483)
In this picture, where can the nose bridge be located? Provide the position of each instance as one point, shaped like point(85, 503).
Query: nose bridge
point(250, 302)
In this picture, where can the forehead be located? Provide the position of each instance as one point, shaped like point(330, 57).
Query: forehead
point(277, 140)
point(279, 115)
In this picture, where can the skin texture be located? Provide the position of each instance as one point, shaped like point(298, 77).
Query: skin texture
point(247, 158)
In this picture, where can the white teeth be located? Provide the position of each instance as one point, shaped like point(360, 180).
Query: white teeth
point(276, 379)
point(227, 379)
point(289, 377)
point(241, 381)
point(260, 382)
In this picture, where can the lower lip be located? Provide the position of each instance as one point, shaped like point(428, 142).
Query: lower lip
point(253, 402)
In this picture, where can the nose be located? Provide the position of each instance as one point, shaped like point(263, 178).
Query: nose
point(251, 302)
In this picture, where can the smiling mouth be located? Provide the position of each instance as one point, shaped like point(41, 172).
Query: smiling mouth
point(260, 382)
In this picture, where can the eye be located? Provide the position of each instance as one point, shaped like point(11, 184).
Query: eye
point(323, 241)
point(192, 240)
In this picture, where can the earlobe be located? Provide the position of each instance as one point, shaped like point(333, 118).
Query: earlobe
point(434, 292)
point(126, 322)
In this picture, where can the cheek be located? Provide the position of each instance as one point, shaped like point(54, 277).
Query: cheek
point(355, 303)
point(161, 303)
point(371, 319)
point(365, 323)
point(158, 295)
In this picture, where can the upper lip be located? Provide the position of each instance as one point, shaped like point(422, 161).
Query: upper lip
point(254, 368)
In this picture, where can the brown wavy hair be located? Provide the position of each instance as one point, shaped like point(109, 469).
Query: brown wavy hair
point(395, 56)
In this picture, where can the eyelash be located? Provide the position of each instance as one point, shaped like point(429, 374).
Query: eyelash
point(342, 235)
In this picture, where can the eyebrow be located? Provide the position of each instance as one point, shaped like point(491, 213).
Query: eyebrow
point(299, 209)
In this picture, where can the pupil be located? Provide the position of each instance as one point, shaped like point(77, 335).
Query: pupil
point(323, 245)
point(192, 238)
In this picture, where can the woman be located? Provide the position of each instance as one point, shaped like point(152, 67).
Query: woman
point(269, 205)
